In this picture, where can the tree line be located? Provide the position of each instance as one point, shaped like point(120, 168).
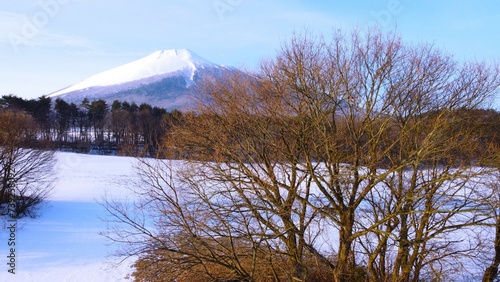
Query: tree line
point(94, 126)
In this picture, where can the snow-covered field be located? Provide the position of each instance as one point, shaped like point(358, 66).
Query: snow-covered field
point(64, 244)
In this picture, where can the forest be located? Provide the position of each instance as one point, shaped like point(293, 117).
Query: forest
point(95, 127)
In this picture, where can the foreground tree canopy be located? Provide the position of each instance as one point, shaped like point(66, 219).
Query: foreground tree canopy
point(347, 160)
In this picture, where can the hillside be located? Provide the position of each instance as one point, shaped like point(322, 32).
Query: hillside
point(164, 78)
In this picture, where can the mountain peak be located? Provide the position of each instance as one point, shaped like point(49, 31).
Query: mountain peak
point(164, 78)
point(157, 65)
point(181, 54)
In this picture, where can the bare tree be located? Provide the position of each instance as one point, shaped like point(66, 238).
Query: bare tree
point(354, 141)
point(196, 225)
point(429, 168)
point(382, 111)
point(25, 168)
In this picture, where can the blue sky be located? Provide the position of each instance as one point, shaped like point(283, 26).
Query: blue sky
point(46, 45)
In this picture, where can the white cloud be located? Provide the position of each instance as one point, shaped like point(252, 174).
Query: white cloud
point(9, 23)
point(60, 40)
point(18, 31)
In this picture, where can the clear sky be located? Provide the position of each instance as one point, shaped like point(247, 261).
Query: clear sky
point(46, 45)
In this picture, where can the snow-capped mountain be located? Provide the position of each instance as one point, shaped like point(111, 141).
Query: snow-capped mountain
point(164, 78)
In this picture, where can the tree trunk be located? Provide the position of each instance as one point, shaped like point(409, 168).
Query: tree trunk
point(344, 270)
point(492, 271)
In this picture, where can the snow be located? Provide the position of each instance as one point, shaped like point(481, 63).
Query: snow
point(64, 244)
point(160, 64)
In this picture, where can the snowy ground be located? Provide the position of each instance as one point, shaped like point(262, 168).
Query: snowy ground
point(64, 244)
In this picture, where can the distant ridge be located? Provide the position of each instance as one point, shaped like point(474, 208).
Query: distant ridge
point(163, 78)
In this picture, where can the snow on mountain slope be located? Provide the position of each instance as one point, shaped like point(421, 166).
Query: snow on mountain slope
point(163, 79)
point(159, 64)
